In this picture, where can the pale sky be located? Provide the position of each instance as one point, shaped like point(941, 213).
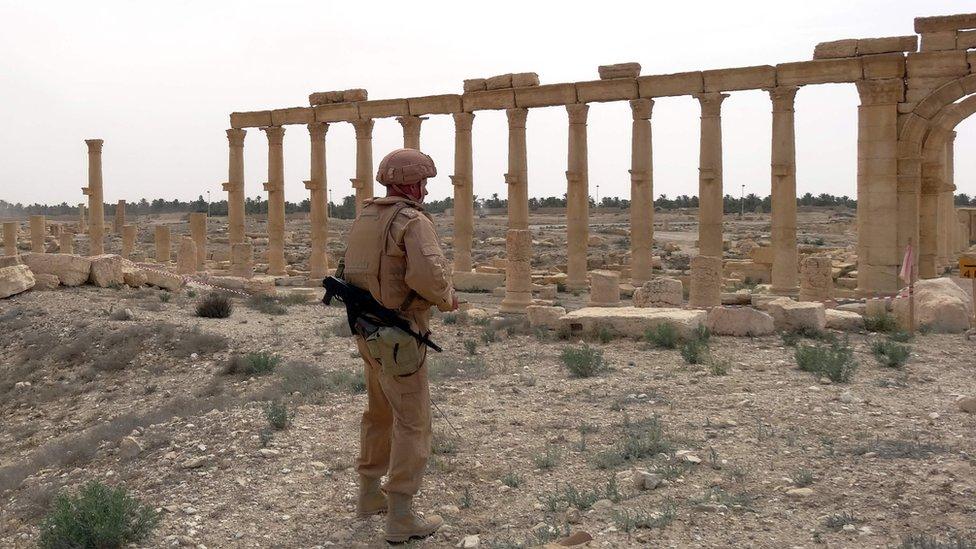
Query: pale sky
point(158, 80)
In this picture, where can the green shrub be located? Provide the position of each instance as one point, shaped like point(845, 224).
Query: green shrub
point(901, 336)
point(694, 351)
point(214, 305)
point(834, 361)
point(548, 459)
point(604, 335)
point(449, 318)
point(881, 323)
point(663, 335)
point(512, 479)
point(267, 305)
point(251, 364)
point(471, 346)
point(583, 361)
point(638, 440)
point(890, 354)
point(719, 367)
point(97, 517)
point(277, 414)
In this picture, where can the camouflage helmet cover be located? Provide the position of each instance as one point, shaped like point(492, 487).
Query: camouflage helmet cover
point(405, 167)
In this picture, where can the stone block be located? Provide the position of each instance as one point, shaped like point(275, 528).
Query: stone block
point(606, 90)
point(836, 48)
point(945, 23)
point(789, 315)
point(134, 276)
point(383, 108)
point(939, 41)
point(228, 282)
point(15, 279)
point(631, 321)
point(155, 276)
point(261, 285)
point(660, 292)
point(10, 260)
point(706, 281)
point(887, 44)
point(474, 84)
point(937, 63)
point(46, 282)
point(885, 65)
point(498, 82)
point(340, 112)
point(478, 282)
point(845, 321)
point(434, 104)
point(940, 305)
point(966, 40)
point(72, 270)
point(666, 85)
point(543, 316)
point(545, 96)
point(324, 98)
point(762, 254)
point(354, 95)
point(816, 280)
point(292, 115)
point(604, 289)
point(819, 72)
point(106, 271)
point(525, 79)
point(488, 100)
point(619, 70)
point(739, 321)
point(741, 78)
point(253, 119)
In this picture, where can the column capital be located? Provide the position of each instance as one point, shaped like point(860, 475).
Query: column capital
point(783, 97)
point(317, 130)
point(641, 108)
point(711, 103)
point(410, 122)
point(236, 137)
point(364, 128)
point(459, 180)
point(516, 117)
point(886, 91)
point(314, 185)
point(463, 121)
point(577, 113)
point(94, 145)
point(276, 134)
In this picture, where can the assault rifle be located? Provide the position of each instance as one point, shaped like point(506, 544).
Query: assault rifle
point(360, 305)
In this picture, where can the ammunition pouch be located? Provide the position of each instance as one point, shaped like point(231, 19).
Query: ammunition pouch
point(398, 352)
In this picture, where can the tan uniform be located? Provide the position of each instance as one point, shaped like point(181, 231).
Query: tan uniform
point(394, 253)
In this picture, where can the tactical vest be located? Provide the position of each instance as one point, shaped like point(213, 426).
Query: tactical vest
point(366, 249)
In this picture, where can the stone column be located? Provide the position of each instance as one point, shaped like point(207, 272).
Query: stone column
point(816, 279)
point(879, 232)
point(411, 130)
point(128, 240)
point(463, 191)
point(10, 238)
point(119, 217)
point(162, 243)
point(363, 183)
point(577, 198)
point(235, 186)
point(783, 187)
point(641, 192)
point(186, 257)
point(518, 240)
point(67, 243)
point(318, 261)
point(96, 231)
point(706, 282)
point(928, 216)
point(242, 260)
point(198, 231)
point(82, 224)
point(710, 199)
point(276, 200)
point(37, 231)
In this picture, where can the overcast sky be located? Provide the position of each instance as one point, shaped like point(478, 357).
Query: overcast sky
point(157, 81)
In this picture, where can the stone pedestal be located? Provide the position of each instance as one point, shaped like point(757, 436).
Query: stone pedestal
point(318, 261)
point(363, 183)
point(162, 243)
point(128, 240)
point(604, 289)
point(276, 200)
point(10, 229)
point(411, 130)
point(186, 257)
point(518, 241)
point(463, 192)
point(518, 272)
point(119, 217)
point(816, 279)
point(242, 260)
point(82, 223)
point(577, 198)
point(93, 191)
point(783, 199)
point(198, 231)
point(710, 198)
point(706, 281)
point(235, 186)
point(38, 228)
point(67, 243)
point(641, 192)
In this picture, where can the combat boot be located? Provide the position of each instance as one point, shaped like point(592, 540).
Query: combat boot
point(402, 524)
point(371, 499)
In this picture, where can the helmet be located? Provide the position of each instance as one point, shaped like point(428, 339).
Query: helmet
point(405, 167)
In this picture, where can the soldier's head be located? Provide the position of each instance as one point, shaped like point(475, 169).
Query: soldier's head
point(404, 172)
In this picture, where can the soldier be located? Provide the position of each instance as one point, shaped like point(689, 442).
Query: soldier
point(393, 252)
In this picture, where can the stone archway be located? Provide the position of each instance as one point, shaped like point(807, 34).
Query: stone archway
point(925, 186)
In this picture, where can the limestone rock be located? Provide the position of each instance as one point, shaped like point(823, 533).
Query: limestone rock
point(548, 317)
point(739, 321)
point(631, 321)
point(619, 70)
point(816, 279)
point(261, 285)
point(478, 282)
point(474, 84)
point(966, 404)
point(791, 315)
point(847, 321)
point(799, 492)
point(106, 270)
point(659, 292)
point(46, 282)
point(498, 82)
point(155, 276)
point(72, 270)
point(10, 260)
point(134, 276)
point(525, 79)
point(129, 448)
point(604, 289)
point(940, 304)
point(470, 542)
point(15, 279)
